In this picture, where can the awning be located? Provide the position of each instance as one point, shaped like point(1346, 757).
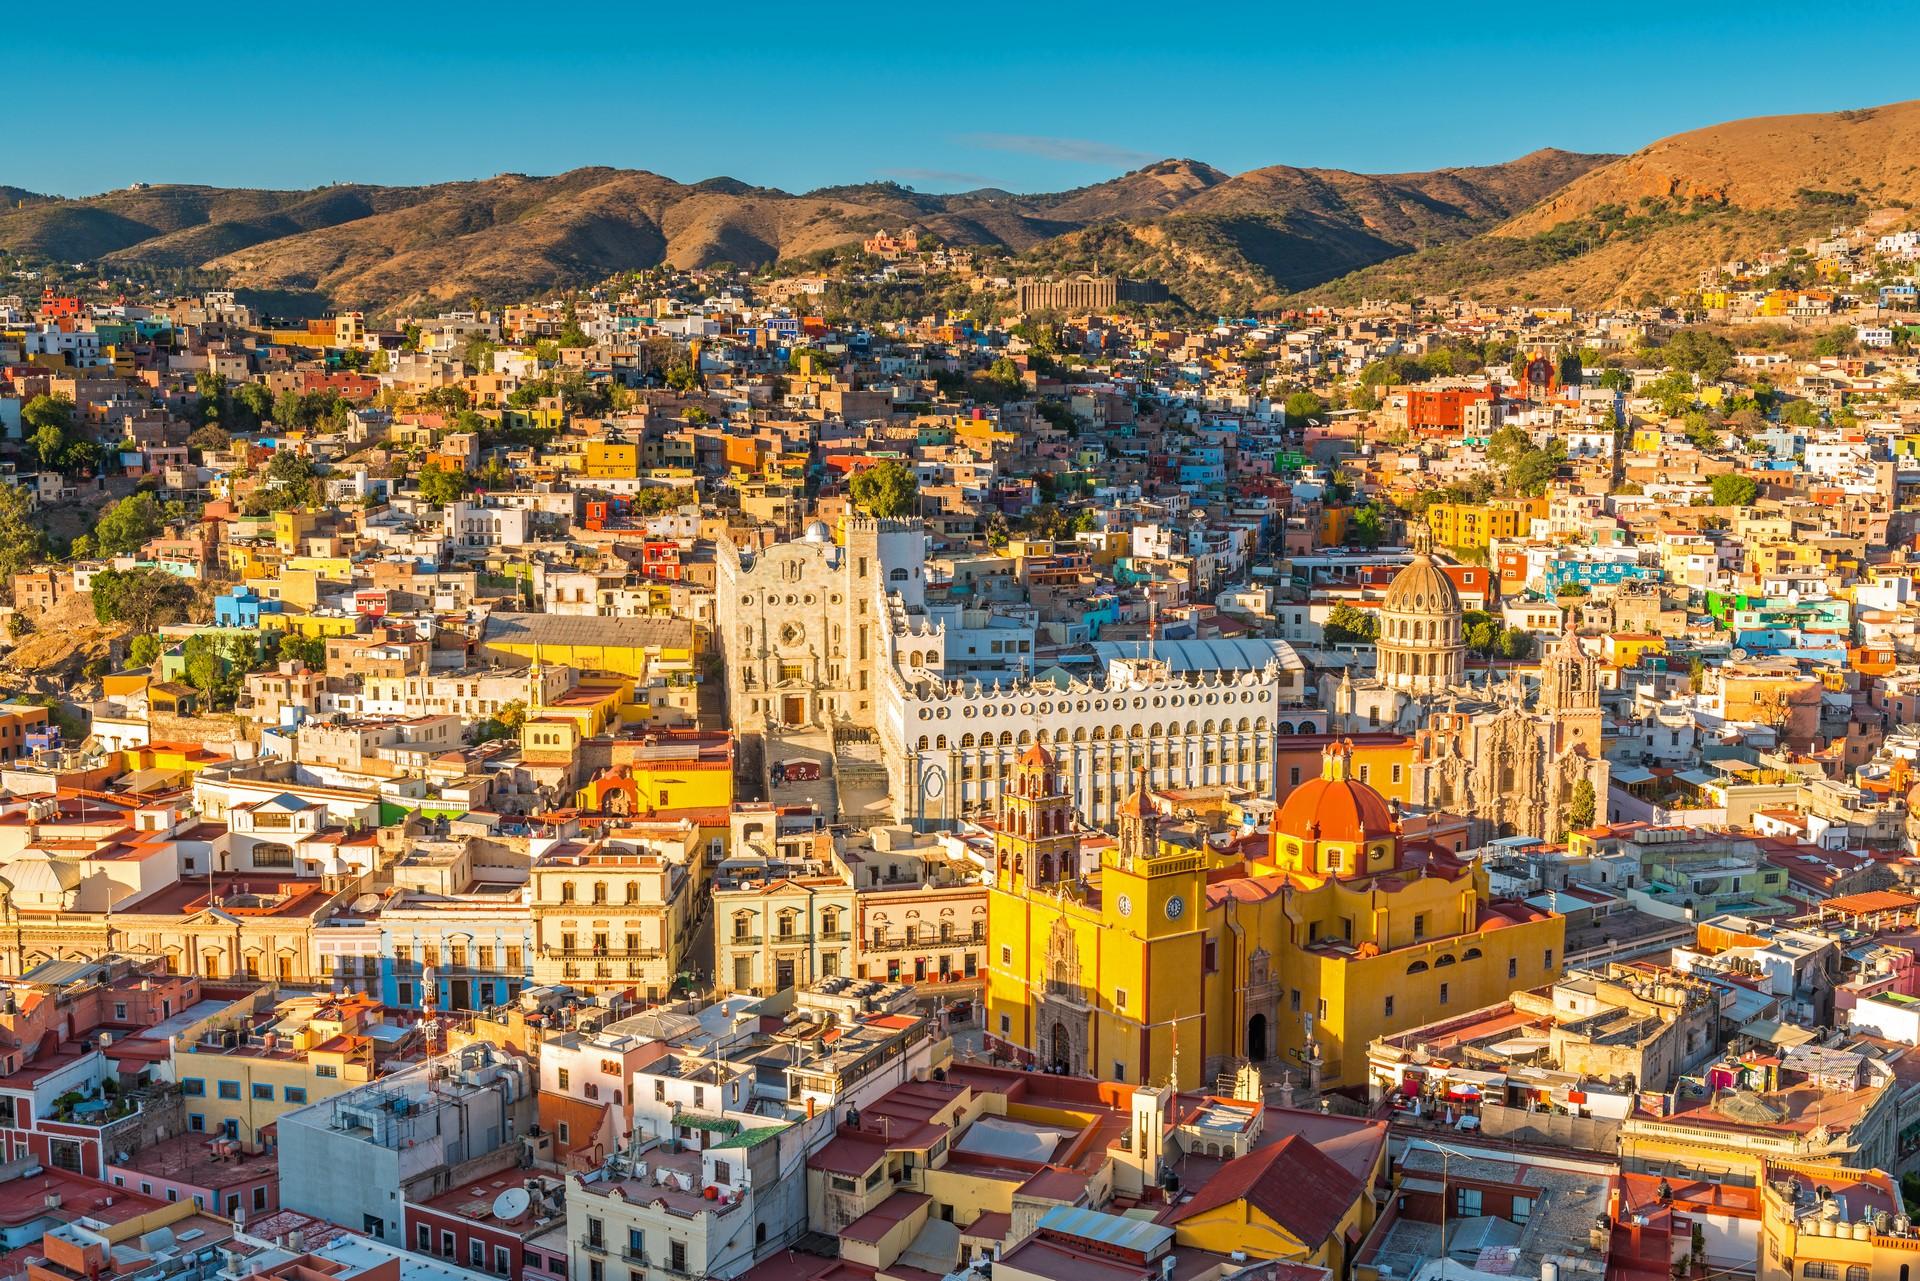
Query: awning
point(1628, 775)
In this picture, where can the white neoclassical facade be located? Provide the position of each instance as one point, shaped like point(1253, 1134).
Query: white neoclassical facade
point(1193, 714)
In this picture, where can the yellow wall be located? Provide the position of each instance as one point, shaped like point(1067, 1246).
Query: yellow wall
point(612, 460)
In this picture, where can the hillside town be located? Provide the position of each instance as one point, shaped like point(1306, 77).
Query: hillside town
point(1416, 791)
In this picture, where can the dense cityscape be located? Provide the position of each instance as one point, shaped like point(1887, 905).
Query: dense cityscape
point(924, 760)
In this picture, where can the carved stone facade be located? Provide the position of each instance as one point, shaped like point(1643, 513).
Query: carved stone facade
point(1514, 763)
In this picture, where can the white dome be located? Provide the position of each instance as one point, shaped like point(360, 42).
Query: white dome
point(817, 532)
point(42, 882)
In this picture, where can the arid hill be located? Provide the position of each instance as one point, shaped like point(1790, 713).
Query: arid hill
point(514, 235)
point(1648, 224)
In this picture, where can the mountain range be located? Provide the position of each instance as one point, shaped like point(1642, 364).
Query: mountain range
point(1551, 225)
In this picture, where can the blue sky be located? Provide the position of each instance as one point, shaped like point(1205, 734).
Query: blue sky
point(1029, 97)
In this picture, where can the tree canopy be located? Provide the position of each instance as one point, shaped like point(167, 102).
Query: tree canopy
point(1731, 489)
point(888, 488)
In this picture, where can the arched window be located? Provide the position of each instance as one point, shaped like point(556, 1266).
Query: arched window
point(1471, 954)
point(1445, 958)
point(566, 891)
point(1418, 967)
point(897, 576)
point(599, 891)
point(633, 891)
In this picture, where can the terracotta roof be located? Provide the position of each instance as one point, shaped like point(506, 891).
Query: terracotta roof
point(1292, 1182)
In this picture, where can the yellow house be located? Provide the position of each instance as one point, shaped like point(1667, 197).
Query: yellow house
point(664, 772)
point(1288, 1201)
point(1477, 524)
point(630, 647)
point(1780, 557)
point(612, 460)
point(1303, 957)
point(1806, 1234)
point(549, 738)
point(291, 527)
point(319, 626)
point(237, 1080)
point(593, 704)
point(1626, 649)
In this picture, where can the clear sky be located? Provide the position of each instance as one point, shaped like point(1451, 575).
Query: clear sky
point(1030, 96)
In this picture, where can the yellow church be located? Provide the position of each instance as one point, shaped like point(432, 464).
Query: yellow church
point(1183, 955)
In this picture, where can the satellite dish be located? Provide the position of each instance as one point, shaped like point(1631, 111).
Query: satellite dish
point(511, 1204)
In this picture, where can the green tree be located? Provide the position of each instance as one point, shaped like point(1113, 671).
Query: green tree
point(1514, 643)
point(47, 444)
point(127, 525)
point(21, 541)
point(1005, 376)
point(1534, 470)
point(252, 405)
point(214, 665)
point(888, 488)
point(494, 475)
point(478, 355)
point(1346, 625)
point(1581, 806)
point(209, 440)
point(1800, 413)
point(143, 649)
point(310, 650)
point(1303, 406)
point(289, 481)
point(1700, 430)
point(146, 598)
point(1697, 351)
point(1731, 489)
point(46, 411)
point(1616, 380)
point(1369, 525)
point(442, 485)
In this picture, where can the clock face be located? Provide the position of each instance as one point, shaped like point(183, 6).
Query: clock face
point(1175, 906)
point(1125, 905)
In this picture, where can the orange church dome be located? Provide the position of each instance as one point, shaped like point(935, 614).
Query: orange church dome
point(1335, 806)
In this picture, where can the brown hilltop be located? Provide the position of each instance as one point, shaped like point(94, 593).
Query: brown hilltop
point(1765, 162)
point(515, 235)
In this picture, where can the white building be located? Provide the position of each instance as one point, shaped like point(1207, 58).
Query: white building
point(1194, 713)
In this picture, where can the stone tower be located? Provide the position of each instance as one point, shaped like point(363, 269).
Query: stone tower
point(1422, 642)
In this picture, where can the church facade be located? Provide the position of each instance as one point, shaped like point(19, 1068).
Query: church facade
point(1514, 761)
point(1184, 957)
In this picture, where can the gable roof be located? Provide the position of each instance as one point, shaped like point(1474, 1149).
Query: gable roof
point(1292, 1182)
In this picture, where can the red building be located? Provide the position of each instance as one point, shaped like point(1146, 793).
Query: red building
point(485, 1222)
point(1446, 409)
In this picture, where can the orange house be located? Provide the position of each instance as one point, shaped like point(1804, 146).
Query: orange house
point(1382, 761)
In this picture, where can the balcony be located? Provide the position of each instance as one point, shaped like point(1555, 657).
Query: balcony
point(601, 954)
point(746, 940)
point(594, 1247)
point(880, 947)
